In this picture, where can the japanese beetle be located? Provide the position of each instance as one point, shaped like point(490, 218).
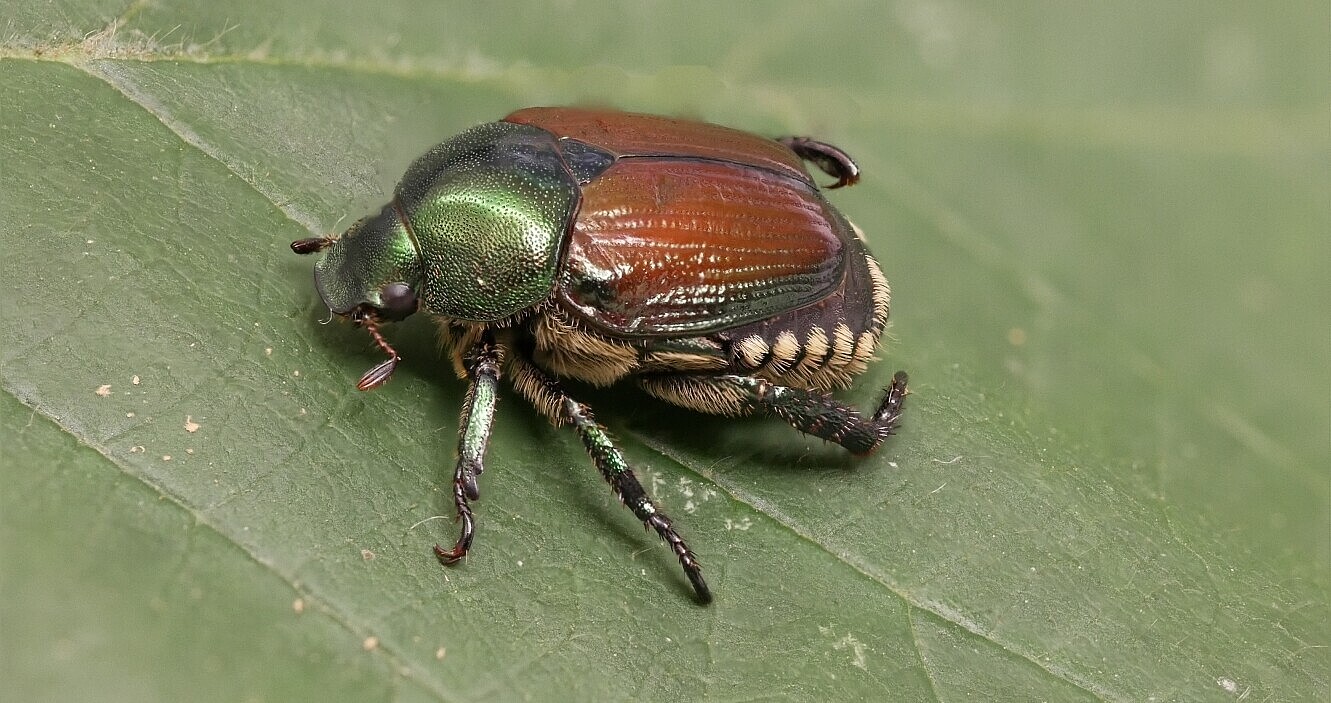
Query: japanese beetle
point(702, 263)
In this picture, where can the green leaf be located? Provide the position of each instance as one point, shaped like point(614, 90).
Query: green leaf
point(1106, 234)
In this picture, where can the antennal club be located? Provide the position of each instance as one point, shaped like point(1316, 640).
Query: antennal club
point(311, 245)
point(380, 374)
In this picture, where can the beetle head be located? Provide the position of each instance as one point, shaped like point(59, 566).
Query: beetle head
point(370, 274)
point(373, 270)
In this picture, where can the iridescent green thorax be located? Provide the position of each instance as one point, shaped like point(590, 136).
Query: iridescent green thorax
point(374, 252)
point(489, 209)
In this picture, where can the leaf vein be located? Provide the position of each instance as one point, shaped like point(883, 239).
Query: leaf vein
point(763, 507)
point(201, 519)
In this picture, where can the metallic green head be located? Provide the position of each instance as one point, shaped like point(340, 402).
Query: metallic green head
point(374, 268)
point(474, 233)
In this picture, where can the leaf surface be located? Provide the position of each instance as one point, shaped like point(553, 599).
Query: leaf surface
point(1105, 231)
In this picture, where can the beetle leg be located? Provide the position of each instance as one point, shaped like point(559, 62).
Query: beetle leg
point(478, 411)
point(807, 411)
point(829, 159)
point(549, 397)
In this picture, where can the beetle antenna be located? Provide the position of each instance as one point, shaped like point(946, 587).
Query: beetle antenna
point(311, 245)
point(380, 374)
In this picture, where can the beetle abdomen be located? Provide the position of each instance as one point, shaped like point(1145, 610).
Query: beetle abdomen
point(677, 246)
point(823, 345)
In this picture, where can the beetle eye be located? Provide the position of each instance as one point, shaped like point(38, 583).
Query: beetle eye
point(399, 301)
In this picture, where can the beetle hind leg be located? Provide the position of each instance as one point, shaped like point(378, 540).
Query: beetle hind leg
point(894, 398)
point(549, 397)
point(810, 412)
point(829, 159)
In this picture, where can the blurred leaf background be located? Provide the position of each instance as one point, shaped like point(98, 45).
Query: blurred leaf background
point(1105, 226)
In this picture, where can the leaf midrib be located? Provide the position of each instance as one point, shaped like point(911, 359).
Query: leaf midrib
point(326, 606)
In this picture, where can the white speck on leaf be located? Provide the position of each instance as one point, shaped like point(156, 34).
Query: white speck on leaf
point(370, 644)
point(103, 390)
point(190, 425)
point(859, 652)
point(422, 522)
point(685, 487)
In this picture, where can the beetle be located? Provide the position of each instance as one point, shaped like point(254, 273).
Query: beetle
point(701, 262)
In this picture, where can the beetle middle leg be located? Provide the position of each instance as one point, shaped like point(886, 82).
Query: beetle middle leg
point(478, 413)
point(550, 399)
point(812, 412)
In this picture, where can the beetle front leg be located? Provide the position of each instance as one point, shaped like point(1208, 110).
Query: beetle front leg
point(478, 413)
point(549, 397)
